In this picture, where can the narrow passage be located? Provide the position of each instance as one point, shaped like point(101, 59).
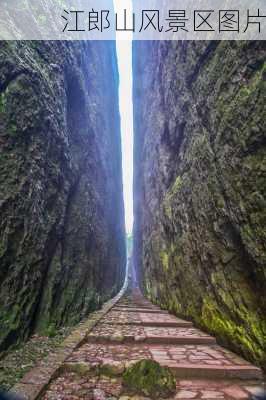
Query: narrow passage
point(135, 329)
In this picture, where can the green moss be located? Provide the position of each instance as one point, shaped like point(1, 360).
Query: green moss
point(165, 260)
point(167, 204)
point(250, 341)
point(148, 378)
point(174, 305)
point(177, 185)
point(9, 320)
point(112, 369)
point(232, 111)
point(13, 129)
point(51, 330)
point(2, 103)
point(15, 363)
point(220, 202)
point(80, 368)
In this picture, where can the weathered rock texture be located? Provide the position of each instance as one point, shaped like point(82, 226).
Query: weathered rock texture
point(62, 242)
point(200, 185)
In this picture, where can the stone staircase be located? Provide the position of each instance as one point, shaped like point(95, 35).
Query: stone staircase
point(135, 329)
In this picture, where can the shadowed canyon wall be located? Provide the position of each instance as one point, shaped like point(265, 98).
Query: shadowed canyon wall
point(62, 218)
point(200, 185)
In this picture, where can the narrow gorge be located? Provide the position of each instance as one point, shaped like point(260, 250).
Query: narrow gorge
point(176, 309)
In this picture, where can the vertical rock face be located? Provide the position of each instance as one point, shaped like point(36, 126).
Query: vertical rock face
point(200, 187)
point(62, 239)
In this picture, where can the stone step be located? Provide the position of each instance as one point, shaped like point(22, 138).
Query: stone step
point(150, 335)
point(145, 310)
point(204, 361)
point(186, 361)
point(201, 371)
point(166, 340)
point(159, 324)
point(136, 330)
point(144, 319)
point(138, 306)
point(219, 389)
point(180, 340)
point(124, 308)
point(162, 320)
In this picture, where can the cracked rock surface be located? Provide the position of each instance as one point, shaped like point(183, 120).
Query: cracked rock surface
point(200, 187)
point(62, 249)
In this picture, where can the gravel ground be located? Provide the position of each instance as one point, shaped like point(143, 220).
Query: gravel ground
point(24, 357)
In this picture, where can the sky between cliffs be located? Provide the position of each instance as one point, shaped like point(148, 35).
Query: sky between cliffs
point(124, 56)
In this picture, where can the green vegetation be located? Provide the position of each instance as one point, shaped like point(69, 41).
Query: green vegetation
point(148, 378)
point(235, 333)
point(164, 256)
point(21, 359)
point(2, 103)
point(176, 187)
point(80, 368)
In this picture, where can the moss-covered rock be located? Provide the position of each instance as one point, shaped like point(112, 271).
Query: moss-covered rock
point(80, 368)
point(112, 368)
point(148, 378)
point(200, 188)
point(62, 241)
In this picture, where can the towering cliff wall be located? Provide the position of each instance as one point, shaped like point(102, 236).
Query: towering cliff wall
point(200, 187)
point(62, 240)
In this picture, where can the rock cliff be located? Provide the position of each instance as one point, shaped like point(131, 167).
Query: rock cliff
point(200, 187)
point(62, 239)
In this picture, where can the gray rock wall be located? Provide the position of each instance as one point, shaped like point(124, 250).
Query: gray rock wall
point(62, 239)
point(200, 185)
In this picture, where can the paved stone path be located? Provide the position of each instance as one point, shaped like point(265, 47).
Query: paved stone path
point(135, 329)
